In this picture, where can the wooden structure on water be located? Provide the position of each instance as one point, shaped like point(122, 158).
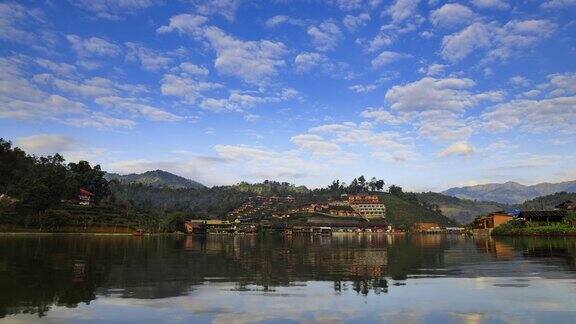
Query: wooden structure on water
point(195, 227)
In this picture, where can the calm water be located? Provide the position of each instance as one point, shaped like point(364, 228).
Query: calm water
point(346, 277)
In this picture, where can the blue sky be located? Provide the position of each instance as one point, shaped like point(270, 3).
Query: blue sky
point(424, 94)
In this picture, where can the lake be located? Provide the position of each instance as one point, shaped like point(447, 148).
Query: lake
point(340, 278)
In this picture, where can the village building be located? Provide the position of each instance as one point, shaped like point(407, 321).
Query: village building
point(85, 197)
point(342, 211)
point(493, 220)
point(368, 206)
point(423, 227)
point(543, 216)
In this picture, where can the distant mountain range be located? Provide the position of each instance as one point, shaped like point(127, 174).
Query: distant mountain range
point(157, 178)
point(510, 192)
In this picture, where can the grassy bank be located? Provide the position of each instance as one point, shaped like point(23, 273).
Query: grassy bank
point(514, 229)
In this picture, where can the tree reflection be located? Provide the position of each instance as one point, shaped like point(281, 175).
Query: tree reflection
point(37, 272)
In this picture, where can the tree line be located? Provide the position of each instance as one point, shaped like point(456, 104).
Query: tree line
point(39, 183)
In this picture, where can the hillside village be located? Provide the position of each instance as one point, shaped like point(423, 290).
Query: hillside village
point(44, 193)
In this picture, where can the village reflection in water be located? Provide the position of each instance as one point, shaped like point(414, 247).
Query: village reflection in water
point(38, 273)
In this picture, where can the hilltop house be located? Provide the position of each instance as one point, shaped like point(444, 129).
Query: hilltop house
point(85, 197)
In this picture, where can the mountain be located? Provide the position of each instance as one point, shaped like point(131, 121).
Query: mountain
point(461, 210)
point(510, 192)
point(157, 178)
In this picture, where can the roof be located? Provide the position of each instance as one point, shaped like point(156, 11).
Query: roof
point(542, 214)
point(85, 192)
point(340, 207)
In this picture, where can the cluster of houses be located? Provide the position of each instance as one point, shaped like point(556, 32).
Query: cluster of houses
point(496, 219)
point(255, 207)
point(360, 205)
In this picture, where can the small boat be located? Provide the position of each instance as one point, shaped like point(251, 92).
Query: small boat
point(138, 232)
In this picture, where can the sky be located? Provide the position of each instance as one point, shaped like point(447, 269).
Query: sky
point(424, 94)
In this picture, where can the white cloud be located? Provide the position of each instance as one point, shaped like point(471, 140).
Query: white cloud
point(93, 87)
point(46, 143)
point(383, 116)
point(149, 59)
point(50, 144)
point(519, 80)
point(261, 164)
point(225, 8)
point(531, 93)
point(459, 148)
point(491, 4)
point(15, 21)
point(433, 69)
point(251, 117)
point(387, 145)
point(379, 41)
point(355, 22)
point(388, 57)
point(556, 115)
point(317, 145)
point(432, 94)
point(438, 105)
point(457, 46)
point(306, 61)
point(49, 106)
point(282, 20)
point(558, 4)
point(401, 10)
point(100, 121)
point(326, 36)
point(562, 83)
point(184, 24)
point(238, 101)
point(93, 46)
point(137, 108)
point(405, 19)
point(63, 69)
point(186, 87)
point(252, 61)
point(500, 42)
point(193, 69)
point(114, 9)
point(363, 88)
point(451, 15)
point(24, 100)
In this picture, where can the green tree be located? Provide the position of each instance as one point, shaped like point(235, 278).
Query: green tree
point(395, 190)
point(89, 178)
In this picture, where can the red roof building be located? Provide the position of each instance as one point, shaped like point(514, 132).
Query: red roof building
point(85, 197)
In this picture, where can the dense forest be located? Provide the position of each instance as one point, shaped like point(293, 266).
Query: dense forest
point(548, 202)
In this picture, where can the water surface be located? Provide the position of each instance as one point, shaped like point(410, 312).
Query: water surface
point(345, 277)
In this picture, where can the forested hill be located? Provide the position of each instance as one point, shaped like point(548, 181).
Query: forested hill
point(548, 202)
point(156, 178)
point(461, 210)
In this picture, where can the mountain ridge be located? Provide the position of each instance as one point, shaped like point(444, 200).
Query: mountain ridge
point(155, 178)
point(510, 192)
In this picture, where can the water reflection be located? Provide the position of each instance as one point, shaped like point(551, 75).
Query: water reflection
point(38, 273)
